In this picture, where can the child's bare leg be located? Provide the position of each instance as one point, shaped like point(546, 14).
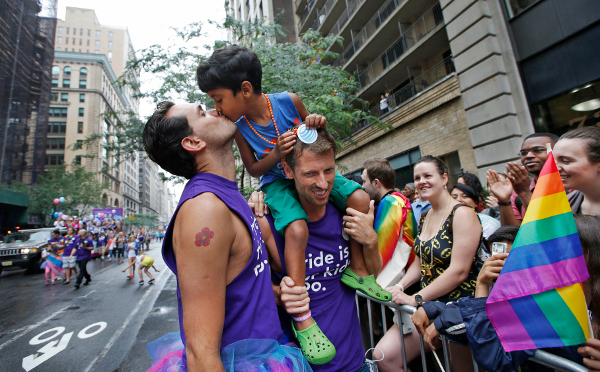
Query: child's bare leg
point(296, 238)
point(140, 272)
point(147, 271)
point(362, 261)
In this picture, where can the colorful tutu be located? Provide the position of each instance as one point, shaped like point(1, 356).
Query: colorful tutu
point(244, 355)
point(55, 264)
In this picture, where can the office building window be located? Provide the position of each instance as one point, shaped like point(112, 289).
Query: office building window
point(53, 96)
point(515, 7)
point(66, 40)
point(81, 97)
point(74, 41)
point(59, 40)
point(109, 54)
point(80, 127)
point(82, 84)
point(97, 33)
point(80, 41)
point(83, 71)
point(67, 70)
point(55, 70)
point(79, 50)
point(110, 44)
point(66, 83)
point(57, 128)
point(88, 32)
point(81, 32)
point(55, 144)
point(88, 42)
point(60, 30)
point(97, 43)
point(77, 160)
point(96, 52)
point(81, 111)
point(67, 30)
point(56, 159)
point(64, 97)
point(58, 112)
point(58, 49)
point(78, 144)
point(110, 35)
point(54, 83)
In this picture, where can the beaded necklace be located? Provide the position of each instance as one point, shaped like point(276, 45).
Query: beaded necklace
point(272, 118)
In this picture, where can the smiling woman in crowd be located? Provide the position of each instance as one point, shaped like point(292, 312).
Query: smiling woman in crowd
point(577, 155)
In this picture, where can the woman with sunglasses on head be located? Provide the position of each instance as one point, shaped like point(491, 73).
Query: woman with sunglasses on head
point(447, 244)
point(577, 155)
point(466, 195)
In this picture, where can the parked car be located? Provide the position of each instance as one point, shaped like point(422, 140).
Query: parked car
point(23, 249)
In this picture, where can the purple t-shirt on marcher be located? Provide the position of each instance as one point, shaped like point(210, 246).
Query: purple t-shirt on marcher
point(70, 244)
point(84, 253)
point(332, 303)
point(250, 308)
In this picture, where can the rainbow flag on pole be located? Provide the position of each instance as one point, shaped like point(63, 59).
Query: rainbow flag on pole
point(394, 216)
point(538, 300)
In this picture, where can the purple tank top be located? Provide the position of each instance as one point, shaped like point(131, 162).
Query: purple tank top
point(250, 308)
point(331, 303)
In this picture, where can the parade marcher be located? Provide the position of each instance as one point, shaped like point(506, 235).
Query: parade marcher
point(232, 78)
point(214, 247)
point(102, 241)
point(147, 240)
point(132, 251)
point(84, 254)
point(120, 243)
point(53, 262)
point(577, 155)
point(311, 168)
point(144, 262)
point(69, 261)
point(449, 239)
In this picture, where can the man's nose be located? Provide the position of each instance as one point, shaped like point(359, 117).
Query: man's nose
point(322, 181)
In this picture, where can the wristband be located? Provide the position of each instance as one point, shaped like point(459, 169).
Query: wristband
point(401, 286)
point(302, 318)
point(505, 203)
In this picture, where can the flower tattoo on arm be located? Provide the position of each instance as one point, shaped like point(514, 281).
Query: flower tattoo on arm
point(203, 237)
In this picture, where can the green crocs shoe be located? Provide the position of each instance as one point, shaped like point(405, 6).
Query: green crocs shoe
point(366, 285)
point(315, 346)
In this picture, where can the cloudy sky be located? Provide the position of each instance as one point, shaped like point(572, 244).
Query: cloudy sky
point(149, 23)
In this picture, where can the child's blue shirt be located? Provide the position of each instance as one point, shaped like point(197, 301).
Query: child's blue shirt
point(286, 115)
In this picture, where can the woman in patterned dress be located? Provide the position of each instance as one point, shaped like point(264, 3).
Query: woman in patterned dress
point(448, 238)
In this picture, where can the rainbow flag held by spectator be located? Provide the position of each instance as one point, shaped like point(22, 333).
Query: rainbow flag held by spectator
point(394, 216)
point(537, 301)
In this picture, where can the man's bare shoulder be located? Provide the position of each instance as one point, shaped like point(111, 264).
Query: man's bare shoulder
point(205, 205)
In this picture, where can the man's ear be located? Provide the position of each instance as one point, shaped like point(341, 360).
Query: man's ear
point(246, 89)
point(287, 169)
point(193, 144)
point(376, 183)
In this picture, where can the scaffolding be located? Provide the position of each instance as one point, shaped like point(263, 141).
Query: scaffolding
point(26, 55)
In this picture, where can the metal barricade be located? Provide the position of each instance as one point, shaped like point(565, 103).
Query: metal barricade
point(540, 357)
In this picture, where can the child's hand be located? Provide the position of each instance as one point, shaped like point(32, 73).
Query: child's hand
point(285, 143)
point(314, 121)
point(123, 270)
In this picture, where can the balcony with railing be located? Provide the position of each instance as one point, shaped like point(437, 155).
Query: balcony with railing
point(369, 30)
point(308, 15)
point(327, 15)
point(417, 32)
point(414, 88)
point(352, 7)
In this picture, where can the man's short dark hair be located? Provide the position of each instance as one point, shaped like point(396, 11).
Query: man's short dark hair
point(504, 233)
point(553, 137)
point(162, 141)
point(57, 232)
point(382, 170)
point(322, 145)
point(228, 68)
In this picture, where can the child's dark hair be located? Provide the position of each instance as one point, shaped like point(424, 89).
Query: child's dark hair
point(228, 68)
point(162, 141)
point(504, 233)
point(439, 164)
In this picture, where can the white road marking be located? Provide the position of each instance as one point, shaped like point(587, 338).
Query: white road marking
point(83, 333)
point(118, 332)
point(87, 294)
point(32, 327)
point(48, 351)
point(37, 339)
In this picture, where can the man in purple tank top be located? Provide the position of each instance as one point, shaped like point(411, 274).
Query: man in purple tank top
point(214, 246)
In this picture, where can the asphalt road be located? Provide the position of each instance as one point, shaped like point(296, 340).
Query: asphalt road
point(104, 326)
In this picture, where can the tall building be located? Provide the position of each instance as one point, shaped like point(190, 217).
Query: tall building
point(400, 53)
point(26, 52)
point(267, 10)
point(152, 194)
point(89, 59)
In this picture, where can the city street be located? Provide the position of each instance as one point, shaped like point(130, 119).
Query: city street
point(104, 326)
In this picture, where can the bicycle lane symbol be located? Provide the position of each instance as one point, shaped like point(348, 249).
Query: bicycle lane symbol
point(54, 347)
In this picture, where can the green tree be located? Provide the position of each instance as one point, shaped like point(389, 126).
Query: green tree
point(141, 220)
point(294, 67)
point(82, 191)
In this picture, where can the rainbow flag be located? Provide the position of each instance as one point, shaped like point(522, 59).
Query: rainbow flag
point(538, 300)
point(394, 216)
